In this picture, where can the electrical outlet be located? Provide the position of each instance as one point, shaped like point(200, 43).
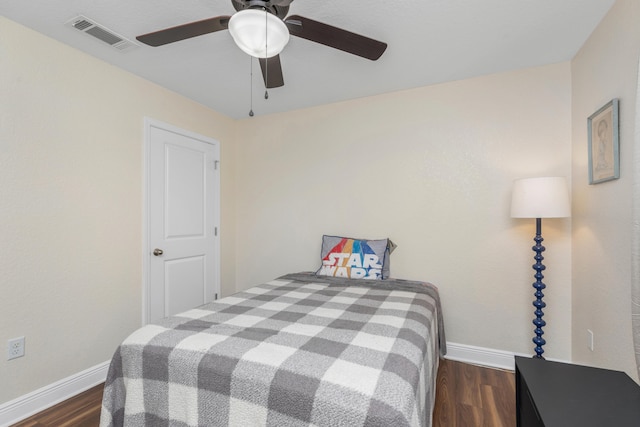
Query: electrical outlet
point(590, 339)
point(15, 348)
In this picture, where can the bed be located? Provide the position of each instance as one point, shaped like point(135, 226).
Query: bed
point(301, 350)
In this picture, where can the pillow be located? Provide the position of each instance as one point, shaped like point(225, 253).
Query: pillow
point(355, 258)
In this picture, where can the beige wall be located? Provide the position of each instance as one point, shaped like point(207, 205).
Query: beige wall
point(605, 68)
point(432, 169)
point(71, 144)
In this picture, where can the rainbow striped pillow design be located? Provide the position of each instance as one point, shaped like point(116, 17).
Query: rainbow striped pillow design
point(355, 258)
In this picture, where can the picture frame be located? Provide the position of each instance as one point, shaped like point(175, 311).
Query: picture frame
point(604, 143)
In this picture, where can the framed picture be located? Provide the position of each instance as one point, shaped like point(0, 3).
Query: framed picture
point(604, 144)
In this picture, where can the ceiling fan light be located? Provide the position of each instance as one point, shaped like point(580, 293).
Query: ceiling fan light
point(247, 28)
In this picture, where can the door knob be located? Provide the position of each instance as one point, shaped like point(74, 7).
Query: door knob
point(157, 252)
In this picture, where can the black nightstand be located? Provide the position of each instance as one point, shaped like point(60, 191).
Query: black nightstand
point(553, 394)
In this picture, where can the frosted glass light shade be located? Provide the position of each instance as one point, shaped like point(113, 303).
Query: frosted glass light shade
point(546, 197)
point(247, 28)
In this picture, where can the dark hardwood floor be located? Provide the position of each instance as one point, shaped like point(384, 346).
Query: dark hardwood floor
point(82, 410)
point(473, 396)
point(467, 396)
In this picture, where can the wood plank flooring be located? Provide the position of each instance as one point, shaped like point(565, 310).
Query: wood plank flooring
point(473, 396)
point(82, 410)
point(467, 396)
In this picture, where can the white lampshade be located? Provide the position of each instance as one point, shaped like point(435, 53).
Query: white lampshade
point(247, 28)
point(546, 197)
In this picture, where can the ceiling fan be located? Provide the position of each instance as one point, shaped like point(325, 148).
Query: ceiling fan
point(273, 14)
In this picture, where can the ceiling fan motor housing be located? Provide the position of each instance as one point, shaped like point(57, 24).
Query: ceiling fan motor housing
point(279, 8)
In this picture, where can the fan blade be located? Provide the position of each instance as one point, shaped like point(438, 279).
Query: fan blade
point(185, 31)
point(272, 72)
point(335, 37)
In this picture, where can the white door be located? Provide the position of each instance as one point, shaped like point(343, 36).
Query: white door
point(182, 246)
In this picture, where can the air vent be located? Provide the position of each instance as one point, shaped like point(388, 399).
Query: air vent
point(99, 32)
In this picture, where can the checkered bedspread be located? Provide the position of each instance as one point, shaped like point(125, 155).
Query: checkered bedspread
point(297, 351)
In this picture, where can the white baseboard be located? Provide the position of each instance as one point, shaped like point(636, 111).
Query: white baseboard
point(481, 356)
point(45, 397)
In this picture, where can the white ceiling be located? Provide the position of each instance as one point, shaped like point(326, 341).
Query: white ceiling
point(430, 41)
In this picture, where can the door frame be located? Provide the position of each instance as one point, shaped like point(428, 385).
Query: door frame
point(150, 123)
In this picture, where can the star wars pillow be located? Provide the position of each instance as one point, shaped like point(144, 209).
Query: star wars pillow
point(355, 258)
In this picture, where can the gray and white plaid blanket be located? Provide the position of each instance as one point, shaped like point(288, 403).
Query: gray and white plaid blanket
point(300, 350)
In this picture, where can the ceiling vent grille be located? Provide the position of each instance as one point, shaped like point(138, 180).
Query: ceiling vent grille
point(99, 32)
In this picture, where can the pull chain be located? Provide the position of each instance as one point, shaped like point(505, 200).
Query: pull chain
point(251, 87)
point(266, 59)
